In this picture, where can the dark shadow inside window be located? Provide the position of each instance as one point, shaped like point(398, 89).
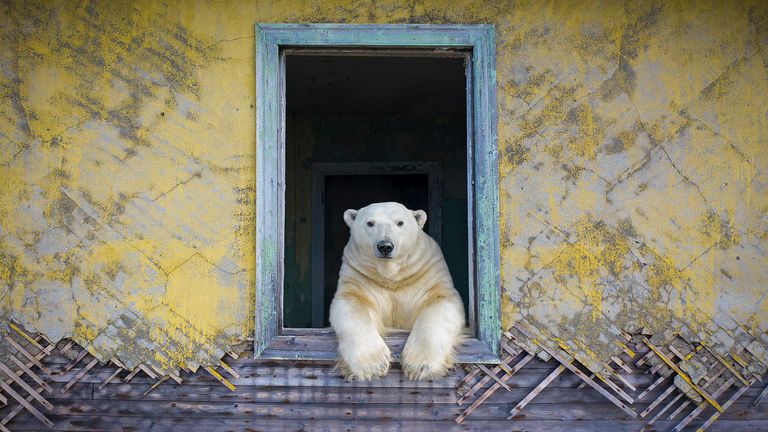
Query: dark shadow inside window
point(361, 111)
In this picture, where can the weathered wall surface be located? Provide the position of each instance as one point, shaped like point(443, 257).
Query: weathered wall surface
point(633, 147)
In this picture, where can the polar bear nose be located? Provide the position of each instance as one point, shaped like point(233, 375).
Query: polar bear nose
point(385, 247)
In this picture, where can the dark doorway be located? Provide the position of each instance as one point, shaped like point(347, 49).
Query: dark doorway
point(397, 110)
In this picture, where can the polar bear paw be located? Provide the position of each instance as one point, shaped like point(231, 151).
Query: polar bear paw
point(424, 364)
point(365, 361)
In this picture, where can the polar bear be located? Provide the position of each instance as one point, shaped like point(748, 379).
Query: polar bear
point(393, 275)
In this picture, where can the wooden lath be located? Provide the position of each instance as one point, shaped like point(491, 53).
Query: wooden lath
point(15, 373)
point(120, 368)
point(727, 377)
point(518, 348)
point(542, 385)
point(507, 369)
point(26, 364)
point(723, 375)
point(760, 397)
point(568, 362)
point(709, 398)
point(501, 374)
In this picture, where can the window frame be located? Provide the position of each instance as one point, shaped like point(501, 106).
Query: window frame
point(271, 340)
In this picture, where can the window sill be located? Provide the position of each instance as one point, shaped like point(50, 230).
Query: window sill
point(320, 344)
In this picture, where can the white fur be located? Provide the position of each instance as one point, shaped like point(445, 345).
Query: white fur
point(412, 290)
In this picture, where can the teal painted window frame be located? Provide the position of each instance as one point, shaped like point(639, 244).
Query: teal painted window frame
point(271, 340)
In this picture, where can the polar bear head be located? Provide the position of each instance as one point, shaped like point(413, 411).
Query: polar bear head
point(385, 229)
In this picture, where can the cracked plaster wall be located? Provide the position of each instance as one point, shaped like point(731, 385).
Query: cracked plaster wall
point(633, 158)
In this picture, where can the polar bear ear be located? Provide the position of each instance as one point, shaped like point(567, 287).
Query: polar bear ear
point(349, 217)
point(421, 217)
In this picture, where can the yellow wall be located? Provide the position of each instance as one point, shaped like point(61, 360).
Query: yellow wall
point(633, 148)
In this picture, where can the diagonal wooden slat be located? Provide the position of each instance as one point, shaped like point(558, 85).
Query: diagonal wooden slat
point(726, 405)
point(155, 385)
point(509, 348)
point(467, 378)
point(148, 371)
point(17, 409)
point(657, 367)
point(676, 352)
point(730, 368)
point(529, 397)
point(702, 406)
point(132, 374)
point(81, 355)
point(661, 412)
point(492, 390)
point(31, 340)
point(111, 377)
point(482, 382)
point(177, 378)
point(762, 396)
point(26, 354)
point(604, 380)
point(66, 347)
point(31, 374)
point(626, 383)
point(738, 359)
point(617, 375)
point(25, 386)
point(582, 375)
point(229, 370)
point(118, 363)
point(631, 354)
point(707, 381)
point(493, 376)
point(511, 354)
point(651, 387)
point(684, 376)
point(644, 359)
point(8, 389)
point(658, 400)
point(621, 364)
point(79, 375)
point(220, 378)
point(678, 410)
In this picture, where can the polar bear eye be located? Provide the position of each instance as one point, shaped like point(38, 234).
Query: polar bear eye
point(369, 223)
point(399, 223)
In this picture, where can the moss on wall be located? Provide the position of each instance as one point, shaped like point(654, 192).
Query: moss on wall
point(633, 148)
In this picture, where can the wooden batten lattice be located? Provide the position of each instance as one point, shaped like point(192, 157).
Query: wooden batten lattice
point(691, 382)
point(25, 362)
point(29, 351)
point(725, 381)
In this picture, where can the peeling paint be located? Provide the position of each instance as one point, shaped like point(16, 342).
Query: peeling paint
point(633, 170)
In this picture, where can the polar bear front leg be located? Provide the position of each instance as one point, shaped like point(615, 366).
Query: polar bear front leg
point(362, 352)
point(437, 332)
